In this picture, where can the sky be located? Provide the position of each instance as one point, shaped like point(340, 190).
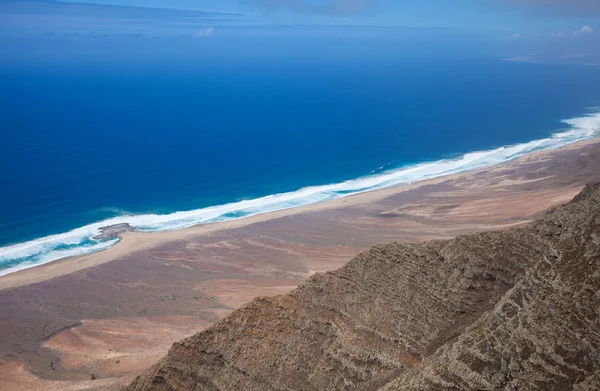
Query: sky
point(531, 16)
point(523, 15)
point(543, 30)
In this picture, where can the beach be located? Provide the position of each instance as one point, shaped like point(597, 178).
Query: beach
point(111, 314)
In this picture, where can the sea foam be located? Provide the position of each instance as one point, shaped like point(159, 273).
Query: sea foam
point(81, 240)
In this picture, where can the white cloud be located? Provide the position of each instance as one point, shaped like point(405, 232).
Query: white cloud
point(584, 30)
point(206, 33)
point(515, 36)
point(557, 35)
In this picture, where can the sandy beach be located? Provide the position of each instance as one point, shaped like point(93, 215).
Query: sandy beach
point(132, 242)
point(111, 314)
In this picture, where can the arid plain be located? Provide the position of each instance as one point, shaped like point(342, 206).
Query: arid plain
point(95, 322)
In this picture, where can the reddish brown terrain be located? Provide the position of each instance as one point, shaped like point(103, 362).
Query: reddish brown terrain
point(113, 319)
point(516, 309)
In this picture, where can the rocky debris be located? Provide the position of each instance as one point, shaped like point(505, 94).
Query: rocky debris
point(112, 231)
point(515, 309)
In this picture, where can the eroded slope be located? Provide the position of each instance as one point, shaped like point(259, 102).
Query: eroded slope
point(491, 310)
point(545, 332)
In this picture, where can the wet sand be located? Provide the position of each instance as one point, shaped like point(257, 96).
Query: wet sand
point(114, 313)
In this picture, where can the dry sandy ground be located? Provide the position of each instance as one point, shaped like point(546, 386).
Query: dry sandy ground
point(112, 314)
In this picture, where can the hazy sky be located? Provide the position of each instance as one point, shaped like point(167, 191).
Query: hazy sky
point(508, 17)
point(548, 30)
point(524, 15)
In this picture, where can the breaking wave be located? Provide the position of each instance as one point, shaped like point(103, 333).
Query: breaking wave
point(81, 240)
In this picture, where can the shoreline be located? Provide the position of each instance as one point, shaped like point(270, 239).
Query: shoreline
point(131, 302)
point(136, 241)
point(91, 239)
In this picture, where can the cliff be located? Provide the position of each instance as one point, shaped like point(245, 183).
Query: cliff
point(514, 309)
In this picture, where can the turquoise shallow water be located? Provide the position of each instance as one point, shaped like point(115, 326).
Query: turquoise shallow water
point(163, 147)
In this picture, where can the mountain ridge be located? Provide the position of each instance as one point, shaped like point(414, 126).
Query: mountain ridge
point(474, 312)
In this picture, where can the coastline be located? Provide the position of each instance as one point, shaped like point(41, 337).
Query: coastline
point(89, 240)
point(129, 303)
point(136, 241)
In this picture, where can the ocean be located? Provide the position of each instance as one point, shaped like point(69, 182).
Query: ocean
point(165, 146)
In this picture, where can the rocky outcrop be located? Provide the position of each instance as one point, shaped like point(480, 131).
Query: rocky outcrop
point(544, 333)
point(515, 309)
point(112, 231)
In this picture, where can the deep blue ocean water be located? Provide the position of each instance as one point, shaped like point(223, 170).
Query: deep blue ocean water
point(81, 144)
